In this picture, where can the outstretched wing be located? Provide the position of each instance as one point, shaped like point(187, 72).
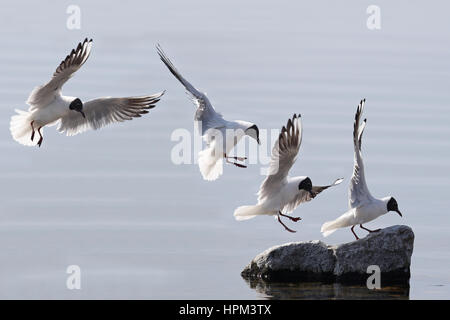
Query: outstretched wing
point(284, 154)
point(305, 196)
point(358, 191)
point(206, 114)
point(103, 111)
point(41, 96)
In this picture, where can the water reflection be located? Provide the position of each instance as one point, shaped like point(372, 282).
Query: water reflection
point(318, 290)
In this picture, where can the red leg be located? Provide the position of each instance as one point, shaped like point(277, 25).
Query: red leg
point(236, 164)
point(290, 230)
point(354, 233)
point(238, 158)
point(295, 219)
point(41, 137)
point(32, 128)
point(361, 226)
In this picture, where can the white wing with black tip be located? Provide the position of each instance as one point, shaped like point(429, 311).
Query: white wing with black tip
point(284, 154)
point(358, 191)
point(43, 95)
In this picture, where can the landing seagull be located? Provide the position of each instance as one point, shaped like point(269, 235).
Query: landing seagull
point(213, 126)
point(363, 206)
point(280, 193)
point(49, 107)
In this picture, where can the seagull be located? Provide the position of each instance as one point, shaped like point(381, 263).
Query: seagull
point(49, 107)
point(280, 194)
point(214, 129)
point(363, 206)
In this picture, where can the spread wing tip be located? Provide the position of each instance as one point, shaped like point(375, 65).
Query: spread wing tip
point(77, 57)
point(359, 111)
point(169, 64)
point(163, 56)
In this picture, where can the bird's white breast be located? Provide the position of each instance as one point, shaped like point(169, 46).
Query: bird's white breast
point(289, 192)
point(369, 211)
point(231, 135)
point(58, 108)
point(280, 197)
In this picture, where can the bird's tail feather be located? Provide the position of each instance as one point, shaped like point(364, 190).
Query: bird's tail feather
point(211, 167)
point(327, 228)
point(20, 127)
point(247, 212)
point(346, 220)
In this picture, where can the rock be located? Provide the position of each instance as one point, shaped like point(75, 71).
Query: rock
point(311, 260)
point(390, 249)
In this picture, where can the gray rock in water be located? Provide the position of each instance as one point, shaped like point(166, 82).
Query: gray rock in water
point(311, 260)
point(390, 249)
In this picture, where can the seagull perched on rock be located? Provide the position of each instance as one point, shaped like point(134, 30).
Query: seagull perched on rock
point(49, 107)
point(280, 194)
point(214, 129)
point(363, 206)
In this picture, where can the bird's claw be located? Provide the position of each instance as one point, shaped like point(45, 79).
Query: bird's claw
point(285, 227)
point(236, 158)
point(295, 219)
point(290, 230)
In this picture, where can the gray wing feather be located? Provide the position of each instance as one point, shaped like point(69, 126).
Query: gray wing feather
point(305, 196)
point(205, 112)
point(103, 111)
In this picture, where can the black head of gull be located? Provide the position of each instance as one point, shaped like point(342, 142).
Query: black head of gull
point(393, 206)
point(306, 185)
point(77, 105)
point(253, 132)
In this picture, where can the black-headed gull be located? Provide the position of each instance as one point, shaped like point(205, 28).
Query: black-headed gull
point(280, 194)
point(49, 107)
point(363, 206)
point(213, 125)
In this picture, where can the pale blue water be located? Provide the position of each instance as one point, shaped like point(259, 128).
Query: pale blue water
point(139, 226)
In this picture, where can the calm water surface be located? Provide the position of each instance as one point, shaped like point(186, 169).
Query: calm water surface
point(139, 226)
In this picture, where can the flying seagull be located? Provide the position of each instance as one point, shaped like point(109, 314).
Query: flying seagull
point(363, 206)
point(49, 107)
point(214, 129)
point(280, 194)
